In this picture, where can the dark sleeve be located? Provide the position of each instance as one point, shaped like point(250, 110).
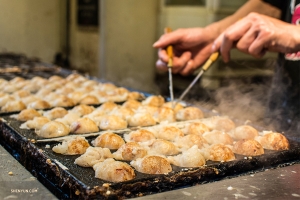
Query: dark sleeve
point(281, 4)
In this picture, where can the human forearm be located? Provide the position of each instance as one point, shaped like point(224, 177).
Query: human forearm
point(257, 6)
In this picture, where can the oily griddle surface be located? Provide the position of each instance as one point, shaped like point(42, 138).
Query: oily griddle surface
point(68, 180)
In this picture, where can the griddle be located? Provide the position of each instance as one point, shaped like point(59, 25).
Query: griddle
point(68, 180)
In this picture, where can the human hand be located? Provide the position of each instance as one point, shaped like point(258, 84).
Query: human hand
point(256, 34)
point(191, 47)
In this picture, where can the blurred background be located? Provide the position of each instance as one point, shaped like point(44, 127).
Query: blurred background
point(112, 40)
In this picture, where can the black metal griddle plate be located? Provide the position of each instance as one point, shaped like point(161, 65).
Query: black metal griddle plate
point(68, 180)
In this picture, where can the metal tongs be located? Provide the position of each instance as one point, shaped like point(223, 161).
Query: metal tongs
point(170, 65)
point(207, 64)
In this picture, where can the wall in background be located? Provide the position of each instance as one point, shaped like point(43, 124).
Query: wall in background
point(35, 28)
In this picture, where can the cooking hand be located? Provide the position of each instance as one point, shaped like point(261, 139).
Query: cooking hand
point(191, 47)
point(255, 34)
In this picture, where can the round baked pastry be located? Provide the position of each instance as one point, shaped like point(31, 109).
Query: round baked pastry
point(162, 147)
point(53, 129)
point(107, 107)
point(188, 141)
point(76, 96)
point(190, 158)
point(64, 90)
point(273, 141)
point(108, 140)
point(21, 94)
point(135, 96)
point(123, 112)
point(219, 123)
point(28, 114)
point(13, 106)
point(140, 135)
point(69, 118)
point(82, 109)
point(141, 119)
point(217, 137)
point(152, 165)
point(55, 78)
point(62, 101)
point(165, 114)
point(55, 113)
point(178, 106)
point(154, 101)
point(6, 98)
point(248, 147)
point(84, 125)
point(89, 100)
point(39, 105)
point(130, 151)
point(243, 132)
point(114, 171)
point(92, 156)
point(36, 123)
point(196, 128)
point(169, 133)
point(219, 152)
point(75, 145)
point(189, 113)
point(131, 103)
point(112, 122)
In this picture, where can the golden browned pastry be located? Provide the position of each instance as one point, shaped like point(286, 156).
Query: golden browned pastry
point(53, 86)
point(55, 113)
point(141, 119)
point(17, 79)
point(114, 171)
point(73, 76)
point(219, 152)
point(28, 114)
point(92, 156)
point(152, 165)
point(243, 132)
point(131, 103)
point(117, 95)
point(53, 129)
point(36, 123)
point(29, 99)
point(161, 147)
point(178, 106)
point(169, 133)
point(43, 92)
point(135, 96)
point(39, 105)
point(154, 101)
point(130, 151)
point(112, 122)
point(89, 100)
point(62, 101)
point(76, 96)
point(54, 78)
point(190, 158)
point(69, 118)
point(219, 123)
point(108, 140)
point(13, 106)
point(83, 125)
point(140, 135)
point(107, 87)
point(10, 88)
point(165, 114)
point(217, 137)
point(107, 107)
point(189, 113)
point(148, 109)
point(75, 145)
point(122, 112)
point(39, 80)
point(190, 140)
point(19, 94)
point(64, 90)
point(248, 147)
point(6, 98)
point(197, 128)
point(82, 109)
point(273, 141)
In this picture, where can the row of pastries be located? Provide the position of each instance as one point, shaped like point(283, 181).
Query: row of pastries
point(42, 93)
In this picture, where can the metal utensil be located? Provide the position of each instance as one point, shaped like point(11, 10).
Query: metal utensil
point(207, 64)
point(170, 65)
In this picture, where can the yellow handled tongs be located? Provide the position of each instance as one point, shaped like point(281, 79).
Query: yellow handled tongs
point(170, 65)
point(207, 64)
